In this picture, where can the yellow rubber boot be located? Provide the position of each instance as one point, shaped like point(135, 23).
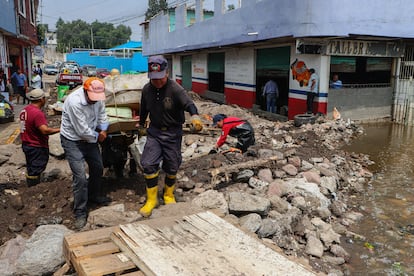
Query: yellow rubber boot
point(152, 202)
point(169, 194)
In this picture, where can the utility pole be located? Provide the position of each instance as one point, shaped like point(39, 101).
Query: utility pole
point(92, 39)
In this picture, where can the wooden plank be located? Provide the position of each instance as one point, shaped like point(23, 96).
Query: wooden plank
point(125, 243)
point(94, 250)
point(62, 271)
point(134, 273)
point(201, 244)
point(105, 265)
point(85, 238)
point(80, 253)
point(89, 237)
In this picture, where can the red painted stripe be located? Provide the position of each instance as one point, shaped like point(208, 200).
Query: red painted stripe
point(298, 106)
point(240, 97)
point(199, 87)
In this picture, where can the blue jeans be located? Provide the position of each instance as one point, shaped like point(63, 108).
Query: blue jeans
point(271, 102)
point(77, 152)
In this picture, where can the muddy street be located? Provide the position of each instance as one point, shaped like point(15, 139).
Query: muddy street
point(387, 202)
point(294, 188)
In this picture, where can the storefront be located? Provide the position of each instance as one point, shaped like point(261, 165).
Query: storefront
point(366, 69)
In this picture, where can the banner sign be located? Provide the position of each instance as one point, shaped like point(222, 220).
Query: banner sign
point(365, 48)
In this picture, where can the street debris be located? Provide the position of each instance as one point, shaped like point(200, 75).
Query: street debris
point(290, 189)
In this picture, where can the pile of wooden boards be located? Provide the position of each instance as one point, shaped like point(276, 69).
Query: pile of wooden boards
point(198, 244)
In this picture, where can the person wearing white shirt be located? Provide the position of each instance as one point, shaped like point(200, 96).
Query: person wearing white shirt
point(36, 80)
point(84, 124)
point(313, 86)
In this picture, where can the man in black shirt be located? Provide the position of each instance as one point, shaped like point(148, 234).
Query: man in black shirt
point(164, 101)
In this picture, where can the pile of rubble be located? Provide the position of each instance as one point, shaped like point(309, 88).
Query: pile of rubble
point(291, 189)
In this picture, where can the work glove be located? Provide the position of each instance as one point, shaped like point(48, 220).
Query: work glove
point(196, 124)
point(142, 131)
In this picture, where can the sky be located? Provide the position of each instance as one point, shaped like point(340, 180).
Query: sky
point(127, 12)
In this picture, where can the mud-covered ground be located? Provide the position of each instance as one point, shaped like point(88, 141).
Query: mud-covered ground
point(52, 201)
point(23, 208)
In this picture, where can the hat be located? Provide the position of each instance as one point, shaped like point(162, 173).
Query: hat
point(115, 72)
point(95, 88)
point(157, 67)
point(217, 118)
point(35, 94)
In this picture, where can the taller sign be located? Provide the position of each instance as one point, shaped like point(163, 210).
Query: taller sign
point(365, 48)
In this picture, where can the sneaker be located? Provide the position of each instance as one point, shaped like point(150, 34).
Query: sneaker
point(80, 223)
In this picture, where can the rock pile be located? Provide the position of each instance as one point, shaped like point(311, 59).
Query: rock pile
point(291, 189)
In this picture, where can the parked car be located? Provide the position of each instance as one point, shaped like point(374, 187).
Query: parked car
point(70, 63)
point(58, 63)
point(50, 69)
point(102, 72)
point(89, 70)
point(69, 74)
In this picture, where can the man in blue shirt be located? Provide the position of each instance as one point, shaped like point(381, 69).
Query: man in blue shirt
point(271, 92)
point(20, 81)
point(336, 83)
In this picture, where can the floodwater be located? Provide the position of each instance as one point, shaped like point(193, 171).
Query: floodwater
point(387, 203)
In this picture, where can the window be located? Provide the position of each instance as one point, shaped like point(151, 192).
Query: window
point(207, 9)
point(22, 7)
point(379, 64)
point(171, 20)
point(343, 64)
point(362, 71)
point(190, 15)
point(231, 5)
point(32, 12)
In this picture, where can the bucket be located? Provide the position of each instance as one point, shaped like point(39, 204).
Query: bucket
point(61, 91)
point(2, 110)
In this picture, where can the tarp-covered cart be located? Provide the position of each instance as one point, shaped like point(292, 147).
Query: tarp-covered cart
point(123, 95)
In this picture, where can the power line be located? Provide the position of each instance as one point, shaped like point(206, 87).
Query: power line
point(117, 20)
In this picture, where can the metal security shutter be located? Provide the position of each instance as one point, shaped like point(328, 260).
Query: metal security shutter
point(273, 58)
point(215, 67)
point(216, 62)
point(186, 70)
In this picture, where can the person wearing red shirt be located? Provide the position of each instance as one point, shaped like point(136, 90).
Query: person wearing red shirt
point(34, 133)
point(235, 127)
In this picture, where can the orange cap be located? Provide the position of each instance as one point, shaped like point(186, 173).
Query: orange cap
point(95, 88)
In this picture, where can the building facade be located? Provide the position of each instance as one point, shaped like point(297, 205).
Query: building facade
point(18, 34)
point(127, 58)
point(230, 53)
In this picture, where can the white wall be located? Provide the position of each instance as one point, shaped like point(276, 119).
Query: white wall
point(276, 19)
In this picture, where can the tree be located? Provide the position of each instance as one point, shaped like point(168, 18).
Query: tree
point(41, 33)
point(154, 7)
point(98, 35)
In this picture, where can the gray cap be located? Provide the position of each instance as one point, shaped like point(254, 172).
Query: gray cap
point(157, 67)
point(35, 94)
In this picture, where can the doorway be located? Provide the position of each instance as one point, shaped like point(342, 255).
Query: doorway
point(273, 63)
point(187, 82)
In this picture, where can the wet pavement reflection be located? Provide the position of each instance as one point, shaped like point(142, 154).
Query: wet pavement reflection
point(387, 203)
